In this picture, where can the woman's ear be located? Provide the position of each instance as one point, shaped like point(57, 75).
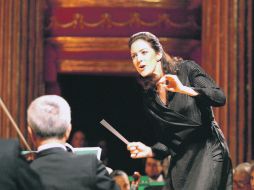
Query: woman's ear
point(158, 56)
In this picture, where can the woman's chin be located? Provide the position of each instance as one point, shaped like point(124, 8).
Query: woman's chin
point(145, 74)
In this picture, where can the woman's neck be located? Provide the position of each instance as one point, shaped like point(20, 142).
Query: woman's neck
point(158, 72)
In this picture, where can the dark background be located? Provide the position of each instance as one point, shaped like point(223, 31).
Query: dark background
point(118, 100)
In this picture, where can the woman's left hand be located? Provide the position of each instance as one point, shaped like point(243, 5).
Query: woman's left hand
point(171, 83)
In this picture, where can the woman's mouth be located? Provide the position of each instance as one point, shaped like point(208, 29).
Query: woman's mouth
point(141, 66)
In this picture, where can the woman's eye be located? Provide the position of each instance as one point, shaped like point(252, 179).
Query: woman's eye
point(144, 52)
point(133, 56)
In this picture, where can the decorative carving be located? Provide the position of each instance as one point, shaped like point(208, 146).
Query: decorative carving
point(121, 3)
point(79, 44)
point(78, 22)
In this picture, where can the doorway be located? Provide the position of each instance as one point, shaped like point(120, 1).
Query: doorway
point(118, 100)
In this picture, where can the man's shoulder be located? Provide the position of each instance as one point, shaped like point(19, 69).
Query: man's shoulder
point(63, 157)
point(88, 158)
point(9, 147)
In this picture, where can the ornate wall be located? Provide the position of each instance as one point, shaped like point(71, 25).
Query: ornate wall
point(90, 36)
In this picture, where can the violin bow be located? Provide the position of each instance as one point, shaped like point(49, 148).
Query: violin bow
point(15, 125)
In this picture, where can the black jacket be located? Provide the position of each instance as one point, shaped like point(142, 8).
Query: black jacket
point(15, 173)
point(63, 170)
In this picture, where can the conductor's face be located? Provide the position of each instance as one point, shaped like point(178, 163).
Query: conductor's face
point(144, 57)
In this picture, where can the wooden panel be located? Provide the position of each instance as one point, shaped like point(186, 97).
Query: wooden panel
point(1, 58)
point(224, 64)
point(249, 78)
point(21, 63)
point(242, 112)
point(226, 57)
point(232, 86)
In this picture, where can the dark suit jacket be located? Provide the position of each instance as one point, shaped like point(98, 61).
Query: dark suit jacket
point(62, 170)
point(15, 173)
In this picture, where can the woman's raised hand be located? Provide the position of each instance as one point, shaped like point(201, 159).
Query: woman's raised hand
point(139, 150)
point(171, 83)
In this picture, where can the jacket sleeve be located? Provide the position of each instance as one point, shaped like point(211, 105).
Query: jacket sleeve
point(15, 173)
point(209, 93)
point(26, 177)
point(160, 151)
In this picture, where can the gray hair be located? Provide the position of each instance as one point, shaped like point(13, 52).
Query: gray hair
point(243, 167)
point(49, 116)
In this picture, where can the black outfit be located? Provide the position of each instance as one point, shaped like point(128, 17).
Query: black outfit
point(15, 173)
point(187, 131)
point(64, 170)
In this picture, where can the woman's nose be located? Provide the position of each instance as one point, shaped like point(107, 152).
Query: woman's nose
point(139, 58)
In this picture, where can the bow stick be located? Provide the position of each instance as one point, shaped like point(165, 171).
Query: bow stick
point(14, 125)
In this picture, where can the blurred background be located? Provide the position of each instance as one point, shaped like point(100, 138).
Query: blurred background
point(79, 49)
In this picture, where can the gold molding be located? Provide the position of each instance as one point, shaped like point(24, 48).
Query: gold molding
point(121, 3)
point(96, 66)
point(80, 44)
point(106, 21)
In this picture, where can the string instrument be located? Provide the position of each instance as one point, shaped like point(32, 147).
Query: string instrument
point(136, 180)
point(30, 154)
